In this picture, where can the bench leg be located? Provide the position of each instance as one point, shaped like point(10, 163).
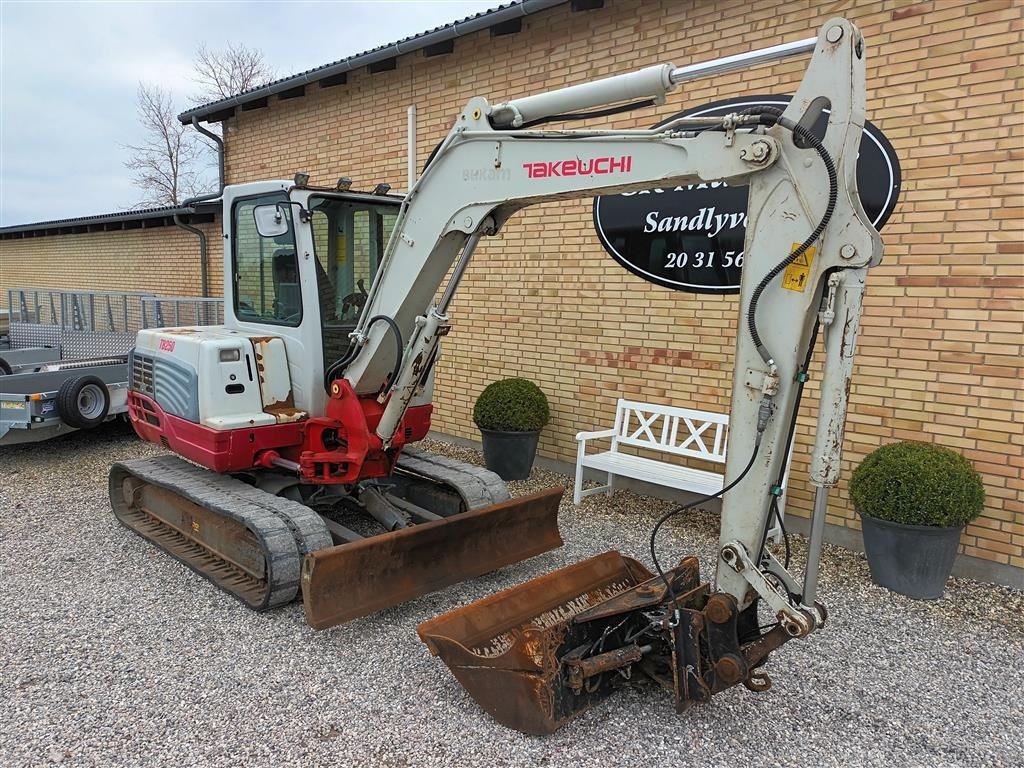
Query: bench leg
point(611, 485)
point(578, 494)
point(577, 487)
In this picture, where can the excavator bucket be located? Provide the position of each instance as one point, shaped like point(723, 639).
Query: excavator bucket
point(511, 651)
point(537, 655)
point(356, 579)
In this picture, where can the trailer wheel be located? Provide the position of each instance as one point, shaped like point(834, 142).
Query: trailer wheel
point(5, 369)
point(83, 401)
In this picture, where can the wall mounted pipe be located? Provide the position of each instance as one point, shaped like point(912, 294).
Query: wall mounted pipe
point(204, 270)
point(410, 160)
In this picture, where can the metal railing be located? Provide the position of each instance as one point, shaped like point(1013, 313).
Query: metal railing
point(93, 323)
point(101, 311)
point(165, 312)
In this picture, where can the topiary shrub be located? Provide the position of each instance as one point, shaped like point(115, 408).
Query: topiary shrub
point(917, 484)
point(511, 405)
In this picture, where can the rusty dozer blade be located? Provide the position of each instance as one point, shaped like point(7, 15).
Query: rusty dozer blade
point(536, 655)
point(356, 579)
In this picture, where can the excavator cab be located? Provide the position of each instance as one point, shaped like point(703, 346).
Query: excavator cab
point(348, 240)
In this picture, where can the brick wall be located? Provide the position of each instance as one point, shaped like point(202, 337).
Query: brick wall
point(164, 260)
point(940, 353)
point(939, 358)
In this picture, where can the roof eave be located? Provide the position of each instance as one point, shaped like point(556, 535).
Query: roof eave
point(113, 218)
point(223, 109)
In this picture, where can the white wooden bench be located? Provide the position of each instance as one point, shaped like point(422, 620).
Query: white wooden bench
point(682, 432)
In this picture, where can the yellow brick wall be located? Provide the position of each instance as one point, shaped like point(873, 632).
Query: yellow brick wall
point(163, 260)
point(939, 358)
point(940, 352)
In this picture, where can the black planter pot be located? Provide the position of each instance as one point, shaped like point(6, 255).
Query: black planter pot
point(914, 560)
point(510, 454)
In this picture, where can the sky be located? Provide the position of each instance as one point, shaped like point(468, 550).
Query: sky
point(69, 73)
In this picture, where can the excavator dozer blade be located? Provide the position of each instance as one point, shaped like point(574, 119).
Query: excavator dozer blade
point(504, 649)
point(356, 579)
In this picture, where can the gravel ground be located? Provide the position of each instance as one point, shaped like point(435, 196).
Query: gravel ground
point(114, 654)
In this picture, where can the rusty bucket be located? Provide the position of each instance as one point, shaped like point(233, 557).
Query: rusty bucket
point(505, 649)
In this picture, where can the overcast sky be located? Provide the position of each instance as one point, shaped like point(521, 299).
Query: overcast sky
point(69, 72)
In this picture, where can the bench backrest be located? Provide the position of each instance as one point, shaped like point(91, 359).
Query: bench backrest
point(682, 431)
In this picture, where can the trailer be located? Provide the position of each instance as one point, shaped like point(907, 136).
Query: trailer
point(64, 355)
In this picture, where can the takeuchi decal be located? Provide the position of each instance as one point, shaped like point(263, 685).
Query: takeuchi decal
point(596, 166)
point(690, 238)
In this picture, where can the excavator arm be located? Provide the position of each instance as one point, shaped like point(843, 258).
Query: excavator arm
point(486, 170)
point(808, 247)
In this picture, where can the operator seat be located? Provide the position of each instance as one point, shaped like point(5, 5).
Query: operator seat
point(333, 332)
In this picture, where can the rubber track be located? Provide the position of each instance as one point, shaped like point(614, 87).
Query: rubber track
point(285, 529)
point(477, 486)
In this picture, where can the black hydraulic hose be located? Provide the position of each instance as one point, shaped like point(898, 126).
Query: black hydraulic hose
point(342, 363)
point(771, 116)
point(801, 377)
point(691, 505)
point(433, 154)
point(568, 116)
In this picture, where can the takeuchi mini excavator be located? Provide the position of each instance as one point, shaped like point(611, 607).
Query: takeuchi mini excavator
point(304, 407)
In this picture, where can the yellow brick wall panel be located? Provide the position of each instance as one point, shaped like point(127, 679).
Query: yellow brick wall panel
point(939, 353)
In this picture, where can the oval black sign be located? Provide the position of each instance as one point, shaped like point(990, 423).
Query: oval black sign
point(691, 238)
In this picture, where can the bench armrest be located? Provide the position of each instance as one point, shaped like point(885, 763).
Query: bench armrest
point(584, 436)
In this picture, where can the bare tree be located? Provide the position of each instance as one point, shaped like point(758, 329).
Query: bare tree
point(166, 164)
point(228, 72)
point(174, 162)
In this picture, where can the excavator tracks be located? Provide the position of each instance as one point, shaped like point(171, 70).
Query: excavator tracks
point(476, 487)
point(263, 547)
point(247, 542)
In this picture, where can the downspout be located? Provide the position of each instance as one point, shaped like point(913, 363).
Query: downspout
point(204, 278)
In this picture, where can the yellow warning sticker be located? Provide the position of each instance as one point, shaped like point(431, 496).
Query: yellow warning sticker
point(799, 272)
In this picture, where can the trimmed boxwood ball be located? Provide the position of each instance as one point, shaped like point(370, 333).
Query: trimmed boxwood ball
point(511, 405)
point(917, 484)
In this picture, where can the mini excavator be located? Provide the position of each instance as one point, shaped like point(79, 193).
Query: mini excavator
point(298, 416)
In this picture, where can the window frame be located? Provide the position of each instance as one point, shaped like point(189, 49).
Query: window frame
point(374, 207)
point(280, 197)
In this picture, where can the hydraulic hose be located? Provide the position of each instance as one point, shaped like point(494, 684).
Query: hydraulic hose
point(769, 117)
point(691, 505)
point(338, 366)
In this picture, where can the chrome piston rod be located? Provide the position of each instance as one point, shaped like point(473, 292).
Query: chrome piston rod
point(648, 83)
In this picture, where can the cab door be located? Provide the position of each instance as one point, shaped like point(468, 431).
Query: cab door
point(272, 287)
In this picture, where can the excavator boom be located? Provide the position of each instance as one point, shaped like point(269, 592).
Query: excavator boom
point(538, 654)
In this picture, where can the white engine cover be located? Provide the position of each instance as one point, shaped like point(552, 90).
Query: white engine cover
point(220, 378)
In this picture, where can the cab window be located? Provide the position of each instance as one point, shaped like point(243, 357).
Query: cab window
point(349, 238)
point(266, 270)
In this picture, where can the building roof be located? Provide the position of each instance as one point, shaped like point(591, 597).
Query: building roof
point(437, 40)
point(104, 222)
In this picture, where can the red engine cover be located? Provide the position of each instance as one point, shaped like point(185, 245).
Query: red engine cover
point(230, 450)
